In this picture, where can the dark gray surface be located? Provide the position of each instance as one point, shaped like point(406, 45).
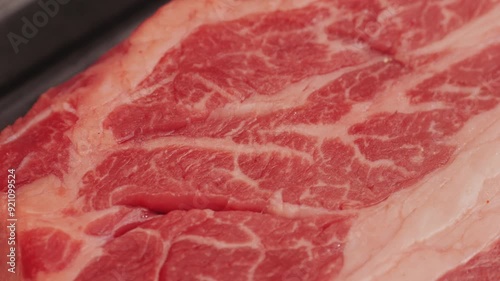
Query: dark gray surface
point(33, 31)
point(16, 99)
point(8, 7)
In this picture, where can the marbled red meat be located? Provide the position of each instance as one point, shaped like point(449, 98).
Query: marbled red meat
point(271, 140)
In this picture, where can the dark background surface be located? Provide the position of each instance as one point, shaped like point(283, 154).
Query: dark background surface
point(65, 42)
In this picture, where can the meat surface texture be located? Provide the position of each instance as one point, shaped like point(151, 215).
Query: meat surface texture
point(304, 140)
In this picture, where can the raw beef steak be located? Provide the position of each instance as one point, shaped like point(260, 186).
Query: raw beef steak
point(270, 140)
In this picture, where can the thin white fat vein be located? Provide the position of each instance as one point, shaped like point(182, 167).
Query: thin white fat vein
point(292, 96)
point(262, 255)
point(203, 240)
point(338, 130)
point(288, 210)
point(253, 243)
point(238, 174)
point(474, 35)
point(219, 145)
point(31, 123)
point(151, 233)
